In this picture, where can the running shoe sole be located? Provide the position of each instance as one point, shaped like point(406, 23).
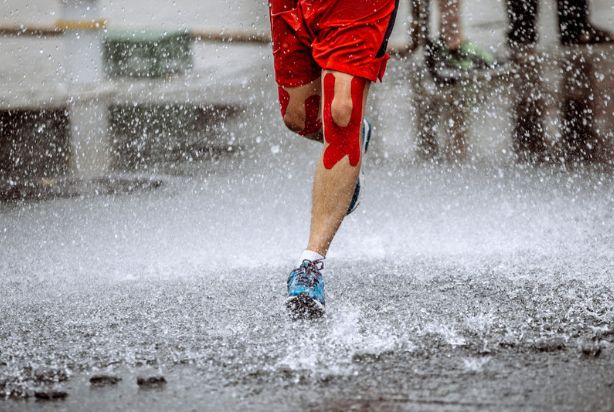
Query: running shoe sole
point(303, 306)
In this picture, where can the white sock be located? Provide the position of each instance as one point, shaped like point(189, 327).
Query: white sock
point(310, 255)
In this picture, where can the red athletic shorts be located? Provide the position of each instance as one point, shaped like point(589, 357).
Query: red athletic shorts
point(348, 36)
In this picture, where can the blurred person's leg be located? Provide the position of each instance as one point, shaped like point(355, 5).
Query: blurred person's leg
point(522, 16)
point(575, 26)
point(426, 106)
point(458, 124)
point(452, 55)
point(579, 138)
point(419, 26)
point(528, 134)
point(450, 29)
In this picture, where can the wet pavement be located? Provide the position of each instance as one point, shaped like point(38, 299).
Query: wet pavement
point(453, 288)
point(466, 280)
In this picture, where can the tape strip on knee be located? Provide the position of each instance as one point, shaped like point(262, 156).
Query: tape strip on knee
point(313, 124)
point(342, 141)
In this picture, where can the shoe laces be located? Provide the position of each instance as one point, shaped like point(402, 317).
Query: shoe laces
point(309, 273)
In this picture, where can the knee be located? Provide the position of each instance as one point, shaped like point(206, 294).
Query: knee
point(294, 120)
point(341, 110)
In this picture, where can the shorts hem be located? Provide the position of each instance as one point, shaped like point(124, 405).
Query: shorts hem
point(295, 83)
point(372, 75)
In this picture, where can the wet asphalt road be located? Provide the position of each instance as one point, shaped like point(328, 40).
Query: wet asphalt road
point(471, 285)
point(453, 288)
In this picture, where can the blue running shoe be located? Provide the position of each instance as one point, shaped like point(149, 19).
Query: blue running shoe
point(306, 290)
point(366, 137)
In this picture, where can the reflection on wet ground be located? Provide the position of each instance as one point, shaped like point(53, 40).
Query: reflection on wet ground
point(457, 285)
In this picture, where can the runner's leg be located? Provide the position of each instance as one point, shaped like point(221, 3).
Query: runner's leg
point(343, 101)
point(348, 45)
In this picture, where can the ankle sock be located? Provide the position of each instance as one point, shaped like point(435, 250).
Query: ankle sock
point(310, 255)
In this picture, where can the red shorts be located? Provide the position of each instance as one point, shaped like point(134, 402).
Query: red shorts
point(348, 36)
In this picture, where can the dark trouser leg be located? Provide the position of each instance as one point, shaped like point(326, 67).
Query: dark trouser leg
point(419, 28)
point(573, 19)
point(579, 139)
point(522, 16)
point(575, 26)
point(427, 112)
point(528, 136)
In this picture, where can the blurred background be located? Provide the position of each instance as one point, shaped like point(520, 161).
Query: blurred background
point(90, 87)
